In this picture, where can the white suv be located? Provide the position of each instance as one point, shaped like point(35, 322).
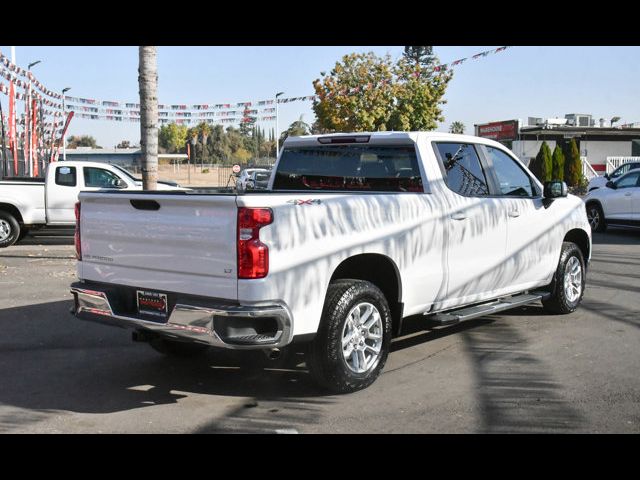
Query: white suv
point(618, 203)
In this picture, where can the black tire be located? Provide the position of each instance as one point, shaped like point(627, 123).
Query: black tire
point(173, 348)
point(23, 233)
point(324, 357)
point(596, 217)
point(559, 303)
point(9, 229)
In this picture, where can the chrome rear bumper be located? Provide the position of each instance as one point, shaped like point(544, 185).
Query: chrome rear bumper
point(190, 322)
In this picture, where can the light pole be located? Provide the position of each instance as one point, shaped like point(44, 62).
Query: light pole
point(277, 135)
point(64, 133)
point(28, 134)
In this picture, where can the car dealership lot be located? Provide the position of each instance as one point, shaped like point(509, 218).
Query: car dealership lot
point(519, 371)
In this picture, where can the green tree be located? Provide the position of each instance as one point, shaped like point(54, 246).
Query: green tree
point(75, 141)
point(365, 92)
point(370, 108)
point(457, 127)
point(242, 155)
point(557, 169)
point(542, 165)
point(296, 129)
point(419, 55)
point(172, 137)
point(573, 165)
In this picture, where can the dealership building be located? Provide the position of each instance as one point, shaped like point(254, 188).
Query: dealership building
point(602, 146)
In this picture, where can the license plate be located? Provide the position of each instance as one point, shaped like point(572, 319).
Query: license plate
point(153, 304)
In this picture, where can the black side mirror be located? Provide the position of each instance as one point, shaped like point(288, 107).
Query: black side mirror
point(606, 175)
point(611, 184)
point(555, 189)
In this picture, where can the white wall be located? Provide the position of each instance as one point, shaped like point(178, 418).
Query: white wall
point(596, 151)
point(525, 150)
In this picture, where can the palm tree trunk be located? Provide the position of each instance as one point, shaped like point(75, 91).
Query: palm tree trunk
point(148, 84)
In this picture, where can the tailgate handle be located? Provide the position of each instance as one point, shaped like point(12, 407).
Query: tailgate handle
point(145, 204)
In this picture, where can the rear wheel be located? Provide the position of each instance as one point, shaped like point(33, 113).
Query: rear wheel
point(352, 343)
point(173, 348)
point(9, 229)
point(567, 287)
point(595, 215)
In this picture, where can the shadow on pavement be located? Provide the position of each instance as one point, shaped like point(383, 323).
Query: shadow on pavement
point(37, 240)
point(516, 392)
point(51, 361)
point(617, 236)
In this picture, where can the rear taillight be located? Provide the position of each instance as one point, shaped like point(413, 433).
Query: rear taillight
point(253, 255)
point(76, 236)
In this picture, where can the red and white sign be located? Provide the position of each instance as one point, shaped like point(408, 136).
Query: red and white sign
point(236, 168)
point(507, 130)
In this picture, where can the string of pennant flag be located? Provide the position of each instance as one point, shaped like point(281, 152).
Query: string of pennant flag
point(186, 110)
point(94, 109)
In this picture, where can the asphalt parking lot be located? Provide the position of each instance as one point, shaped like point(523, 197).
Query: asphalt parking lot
point(519, 371)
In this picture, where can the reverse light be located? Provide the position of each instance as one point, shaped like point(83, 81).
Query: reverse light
point(76, 235)
point(253, 255)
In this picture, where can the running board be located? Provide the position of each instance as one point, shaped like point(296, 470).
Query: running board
point(475, 311)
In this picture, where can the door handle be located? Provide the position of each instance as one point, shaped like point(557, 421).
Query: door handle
point(627, 194)
point(458, 216)
point(514, 213)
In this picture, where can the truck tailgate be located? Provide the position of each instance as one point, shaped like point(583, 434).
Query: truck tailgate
point(187, 245)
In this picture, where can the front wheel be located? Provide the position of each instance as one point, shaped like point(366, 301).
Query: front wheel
point(567, 287)
point(9, 229)
point(352, 343)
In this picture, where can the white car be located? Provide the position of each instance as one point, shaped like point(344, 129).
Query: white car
point(246, 177)
point(601, 181)
point(354, 233)
point(28, 204)
point(617, 203)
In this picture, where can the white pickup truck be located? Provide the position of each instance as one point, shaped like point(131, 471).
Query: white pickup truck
point(354, 233)
point(35, 203)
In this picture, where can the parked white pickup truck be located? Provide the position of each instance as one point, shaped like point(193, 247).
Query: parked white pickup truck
point(34, 203)
point(355, 233)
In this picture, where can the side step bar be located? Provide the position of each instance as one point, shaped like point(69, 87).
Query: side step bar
point(475, 311)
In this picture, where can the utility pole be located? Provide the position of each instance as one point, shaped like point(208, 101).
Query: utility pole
point(64, 134)
point(277, 136)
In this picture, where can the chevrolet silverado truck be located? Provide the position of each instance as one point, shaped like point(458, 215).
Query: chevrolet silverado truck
point(354, 233)
point(28, 204)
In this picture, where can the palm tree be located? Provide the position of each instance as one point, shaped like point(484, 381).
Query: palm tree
point(148, 84)
point(204, 129)
point(456, 127)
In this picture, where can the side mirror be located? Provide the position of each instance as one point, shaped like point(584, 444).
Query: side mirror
point(606, 175)
point(611, 184)
point(555, 189)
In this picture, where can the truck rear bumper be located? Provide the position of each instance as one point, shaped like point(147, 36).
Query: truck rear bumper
point(220, 325)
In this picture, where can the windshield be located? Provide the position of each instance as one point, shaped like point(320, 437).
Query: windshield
point(381, 168)
point(131, 177)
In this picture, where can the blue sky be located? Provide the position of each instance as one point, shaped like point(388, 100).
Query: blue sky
point(517, 83)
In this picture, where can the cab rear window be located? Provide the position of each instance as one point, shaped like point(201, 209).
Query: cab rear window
point(377, 168)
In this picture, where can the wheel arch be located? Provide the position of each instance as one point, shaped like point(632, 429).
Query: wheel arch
point(581, 239)
point(383, 272)
point(13, 210)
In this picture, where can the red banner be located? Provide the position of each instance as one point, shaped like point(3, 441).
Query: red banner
point(507, 130)
point(13, 144)
point(34, 136)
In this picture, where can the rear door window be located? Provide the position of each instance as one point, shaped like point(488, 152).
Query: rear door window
point(463, 172)
point(378, 168)
point(66, 176)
